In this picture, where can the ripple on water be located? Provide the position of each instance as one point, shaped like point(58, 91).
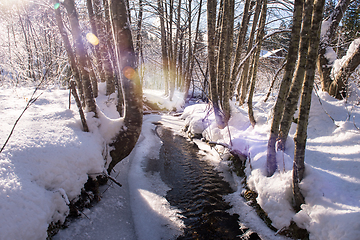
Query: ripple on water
point(197, 190)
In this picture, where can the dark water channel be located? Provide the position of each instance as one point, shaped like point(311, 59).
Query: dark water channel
point(197, 190)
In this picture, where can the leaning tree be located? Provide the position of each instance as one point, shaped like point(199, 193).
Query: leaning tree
point(126, 64)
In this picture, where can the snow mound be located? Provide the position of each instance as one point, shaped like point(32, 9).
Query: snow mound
point(332, 177)
point(47, 160)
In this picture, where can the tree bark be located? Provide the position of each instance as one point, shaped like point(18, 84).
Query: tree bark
point(298, 79)
point(305, 103)
point(244, 78)
point(259, 39)
point(172, 66)
point(178, 36)
point(107, 49)
point(211, 15)
point(194, 49)
point(240, 42)
point(70, 53)
point(229, 33)
point(190, 52)
point(126, 139)
point(285, 86)
point(164, 51)
point(325, 64)
point(78, 104)
point(92, 19)
point(80, 52)
point(338, 85)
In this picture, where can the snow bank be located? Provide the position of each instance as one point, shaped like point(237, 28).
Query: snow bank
point(154, 218)
point(158, 97)
point(332, 177)
point(47, 160)
point(339, 63)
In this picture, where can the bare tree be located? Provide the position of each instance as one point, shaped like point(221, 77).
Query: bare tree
point(330, 25)
point(225, 57)
point(298, 79)
point(259, 39)
point(240, 42)
point(128, 66)
point(211, 14)
point(164, 51)
point(81, 55)
point(244, 82)
point(305, 102)
point(285, 86)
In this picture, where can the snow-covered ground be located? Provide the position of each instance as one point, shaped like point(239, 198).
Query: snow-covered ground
point(48, 159)
point(331, 186)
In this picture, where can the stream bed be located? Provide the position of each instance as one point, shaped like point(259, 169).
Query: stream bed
point(197, 190)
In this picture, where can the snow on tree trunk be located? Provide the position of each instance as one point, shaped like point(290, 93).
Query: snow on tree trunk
point(327, 55)
point(343, 68)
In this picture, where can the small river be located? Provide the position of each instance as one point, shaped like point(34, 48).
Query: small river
point(197, 190)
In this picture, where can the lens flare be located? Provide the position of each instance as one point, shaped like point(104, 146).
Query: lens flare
point(129, 72)
point(56, 5)
point(92, 39)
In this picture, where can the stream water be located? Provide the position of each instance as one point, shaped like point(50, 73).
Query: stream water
point(197, 190)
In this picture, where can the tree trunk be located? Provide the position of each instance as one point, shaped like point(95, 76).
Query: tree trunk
point(338, 85)
point(285, 86)
point(138, 44)
point(221, 53)
point(107, 49)
point(305, 102)
point(180, 62)
point(70, 53)
point(94, 31)
point(331, 24)
point(74, 69)
point(240, 42)
point(178, 36)
point(92, 75)
point(80, 51)
point(164, 51)
point(192, 56)
point(298, 79)
point(30, 70)
point(190, 52)
point(126, 139)
point(244, 78)
point(172, 65)
point(229, 33)
point(211, 14)
point(259, 39)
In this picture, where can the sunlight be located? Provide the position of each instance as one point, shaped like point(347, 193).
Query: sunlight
point(162, 207)
point(94, 40)
point(129, 72)
point(12, 3)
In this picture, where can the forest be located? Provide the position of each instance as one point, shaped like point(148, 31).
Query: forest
point(266, 59)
